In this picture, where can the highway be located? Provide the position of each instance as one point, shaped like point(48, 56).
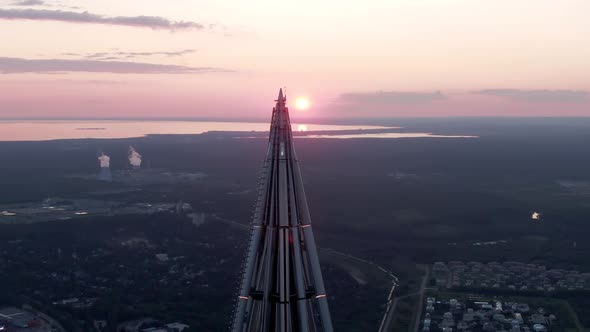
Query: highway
point(392, 303)
point(388, 315)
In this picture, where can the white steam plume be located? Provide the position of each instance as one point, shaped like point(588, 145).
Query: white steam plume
point(105, 161)
point(134, 157)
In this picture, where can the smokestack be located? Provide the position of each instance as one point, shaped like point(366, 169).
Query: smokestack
point(105, 170)
point(134, 158)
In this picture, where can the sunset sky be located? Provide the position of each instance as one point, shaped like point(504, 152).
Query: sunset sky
point(222, 59)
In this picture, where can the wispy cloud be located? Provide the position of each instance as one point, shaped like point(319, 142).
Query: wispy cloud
point(153, 22)
point(42, 3)
point(28, 3)
point(538, 96)
point(20, 65)
point(391, 97)
point(121, 55)
point(95, 82)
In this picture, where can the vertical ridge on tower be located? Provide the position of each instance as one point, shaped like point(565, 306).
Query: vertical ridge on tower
point(282, 287)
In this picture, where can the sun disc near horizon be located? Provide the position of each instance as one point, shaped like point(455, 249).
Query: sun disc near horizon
point(302, 103)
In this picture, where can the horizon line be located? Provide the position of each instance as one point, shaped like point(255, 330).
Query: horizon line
point(250, 119)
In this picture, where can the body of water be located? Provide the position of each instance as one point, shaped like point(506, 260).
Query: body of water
point(62, 129)
point(387, 135)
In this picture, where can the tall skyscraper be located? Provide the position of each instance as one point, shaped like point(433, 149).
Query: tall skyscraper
point(282, 286)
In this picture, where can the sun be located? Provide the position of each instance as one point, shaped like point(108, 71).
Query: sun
point(302, 103)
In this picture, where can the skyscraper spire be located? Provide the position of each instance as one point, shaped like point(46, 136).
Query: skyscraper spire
point(281, 98)
point(282, 286)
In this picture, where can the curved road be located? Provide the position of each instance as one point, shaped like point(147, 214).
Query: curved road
point(390, 312)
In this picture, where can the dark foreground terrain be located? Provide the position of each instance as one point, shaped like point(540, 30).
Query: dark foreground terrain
point(392, 202)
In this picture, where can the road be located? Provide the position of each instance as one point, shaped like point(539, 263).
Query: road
point(575, 317)
point(421, 299)
point(392, 304)
point(384, 270)
point(387, 316)
point(389, 313)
